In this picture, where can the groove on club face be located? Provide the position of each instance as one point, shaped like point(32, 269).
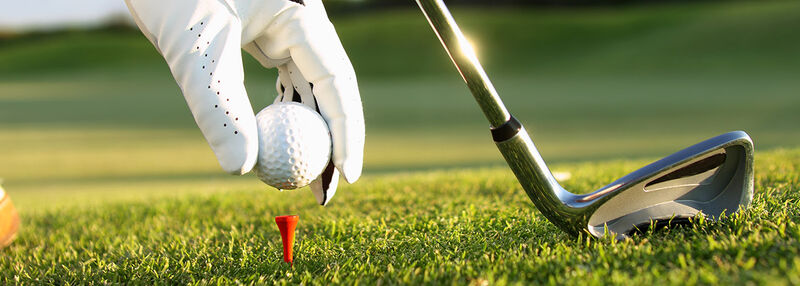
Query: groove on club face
point(713, 177)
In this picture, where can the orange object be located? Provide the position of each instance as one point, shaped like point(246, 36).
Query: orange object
point(286, 225)
point(9, 220)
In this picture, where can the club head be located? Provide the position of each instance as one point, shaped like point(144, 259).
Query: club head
point(713, 177)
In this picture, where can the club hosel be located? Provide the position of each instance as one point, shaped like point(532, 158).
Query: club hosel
point(535, 177)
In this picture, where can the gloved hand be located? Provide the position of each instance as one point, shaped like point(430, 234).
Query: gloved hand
point(201, 42)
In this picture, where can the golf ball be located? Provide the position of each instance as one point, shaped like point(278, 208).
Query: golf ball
point(294, 145)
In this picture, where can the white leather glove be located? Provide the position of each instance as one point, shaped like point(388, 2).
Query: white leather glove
point(201, 40)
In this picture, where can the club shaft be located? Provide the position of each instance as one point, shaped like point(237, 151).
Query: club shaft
point(510, 137)
point(466, 61)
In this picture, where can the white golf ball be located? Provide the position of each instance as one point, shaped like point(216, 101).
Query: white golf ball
point(294, 145)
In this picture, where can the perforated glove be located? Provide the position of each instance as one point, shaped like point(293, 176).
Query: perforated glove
point(201, 42)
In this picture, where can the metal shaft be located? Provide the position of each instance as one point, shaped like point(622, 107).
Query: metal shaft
point(466, 61)
point(510, 137)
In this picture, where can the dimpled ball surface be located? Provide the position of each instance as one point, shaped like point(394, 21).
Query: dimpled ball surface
point(294, 145)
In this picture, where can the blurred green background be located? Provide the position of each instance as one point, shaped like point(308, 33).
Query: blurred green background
point(92, 115)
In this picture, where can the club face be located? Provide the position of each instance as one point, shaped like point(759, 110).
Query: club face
point(713, 177)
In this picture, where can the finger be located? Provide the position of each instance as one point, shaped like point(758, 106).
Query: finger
point(292, 87)
point(310, 40)
point(324, 187)
point(301, 86)
point(284, 85)
point(201, 42)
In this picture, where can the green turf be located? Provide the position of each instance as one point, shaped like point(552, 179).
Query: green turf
point(468, 226)
point(115, 182)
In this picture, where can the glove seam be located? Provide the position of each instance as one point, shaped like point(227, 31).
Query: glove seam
point(277, 61)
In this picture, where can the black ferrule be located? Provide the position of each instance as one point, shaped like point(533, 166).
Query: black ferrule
point(506, 131)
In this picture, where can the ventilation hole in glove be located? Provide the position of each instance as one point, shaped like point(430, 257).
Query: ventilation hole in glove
point(216, 106)
point(198, 47)
point(227, 99)
point(204, 67)
point(227, 112)
point(217, 81)
point(225, 125)
point(212, 61)
point(198, 35)
point(217, 92)
point(191, 29)
point(237, 119)
point(206, 55)
point(235, 132)
point(201, 23)
point(211, 73)
point(209, 87)
point(208, 43)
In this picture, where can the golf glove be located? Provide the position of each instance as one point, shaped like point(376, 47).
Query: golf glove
point(201, 42)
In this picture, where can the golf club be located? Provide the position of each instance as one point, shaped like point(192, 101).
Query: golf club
point(712, 177)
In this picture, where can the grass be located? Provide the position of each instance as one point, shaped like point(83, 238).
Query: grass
point(115, 184)
point(449, 227)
